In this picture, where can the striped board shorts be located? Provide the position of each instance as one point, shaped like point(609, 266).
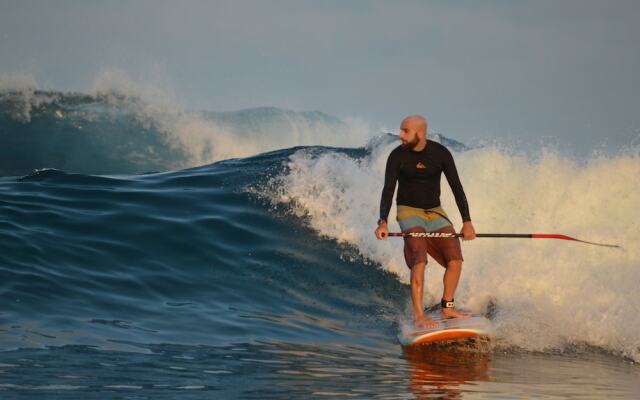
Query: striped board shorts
point(442, 250)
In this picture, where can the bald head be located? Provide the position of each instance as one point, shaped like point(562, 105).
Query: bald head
point(416, 122)
point(413, 132)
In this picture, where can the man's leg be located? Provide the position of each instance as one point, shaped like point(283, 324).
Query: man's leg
point(420, 320)
point(450, 281)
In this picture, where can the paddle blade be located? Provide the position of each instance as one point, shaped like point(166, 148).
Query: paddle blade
point(565, 237)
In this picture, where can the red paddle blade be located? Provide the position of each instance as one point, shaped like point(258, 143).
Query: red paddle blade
point(565, 237)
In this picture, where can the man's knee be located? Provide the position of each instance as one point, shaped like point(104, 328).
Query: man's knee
point(456, 264)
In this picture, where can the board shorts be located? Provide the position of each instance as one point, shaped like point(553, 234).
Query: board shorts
point(442, 250)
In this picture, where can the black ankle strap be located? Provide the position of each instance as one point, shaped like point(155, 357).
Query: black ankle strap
point(447, 304)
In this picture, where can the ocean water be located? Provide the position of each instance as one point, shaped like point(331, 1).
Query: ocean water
point(258, 276)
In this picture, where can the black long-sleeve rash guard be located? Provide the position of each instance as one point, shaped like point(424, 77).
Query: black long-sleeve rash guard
point(418, 173)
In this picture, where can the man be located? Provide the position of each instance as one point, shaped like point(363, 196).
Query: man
point(417, 164)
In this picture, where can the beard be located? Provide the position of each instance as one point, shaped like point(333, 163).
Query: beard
point(410, 145)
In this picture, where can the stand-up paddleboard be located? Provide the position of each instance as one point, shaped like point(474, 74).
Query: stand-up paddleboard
point(448, 329)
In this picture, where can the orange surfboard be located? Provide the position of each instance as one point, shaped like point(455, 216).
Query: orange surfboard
point(448, 329)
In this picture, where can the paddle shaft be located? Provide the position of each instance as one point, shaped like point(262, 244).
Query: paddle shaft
point(438, 235)
point(497, 235)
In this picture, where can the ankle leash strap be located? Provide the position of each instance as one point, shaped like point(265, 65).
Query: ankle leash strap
point(447, 304)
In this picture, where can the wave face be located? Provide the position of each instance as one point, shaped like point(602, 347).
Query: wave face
point(114, 129)
point(279, 247)
point(186, 257)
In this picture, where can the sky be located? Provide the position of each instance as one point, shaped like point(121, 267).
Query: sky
point(559, 73)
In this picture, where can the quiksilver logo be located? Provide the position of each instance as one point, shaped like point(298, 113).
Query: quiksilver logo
point(420, 165)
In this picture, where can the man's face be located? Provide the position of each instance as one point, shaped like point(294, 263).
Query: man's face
point(409, 134)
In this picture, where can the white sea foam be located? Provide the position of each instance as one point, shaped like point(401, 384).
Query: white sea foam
point(549, 293)
point(23, 87)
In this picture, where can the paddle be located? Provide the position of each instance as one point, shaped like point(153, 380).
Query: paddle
point(498, 235)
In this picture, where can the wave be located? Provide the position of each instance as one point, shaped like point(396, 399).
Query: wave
point(185, 257)
point(121, 127)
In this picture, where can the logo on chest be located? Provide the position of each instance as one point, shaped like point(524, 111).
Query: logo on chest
point(420, 165)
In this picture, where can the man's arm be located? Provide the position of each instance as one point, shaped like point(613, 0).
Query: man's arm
point(390, 179)
point(451, 173)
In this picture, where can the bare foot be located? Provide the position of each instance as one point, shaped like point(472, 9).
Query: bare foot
point(424, 322)
point(452, 313)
